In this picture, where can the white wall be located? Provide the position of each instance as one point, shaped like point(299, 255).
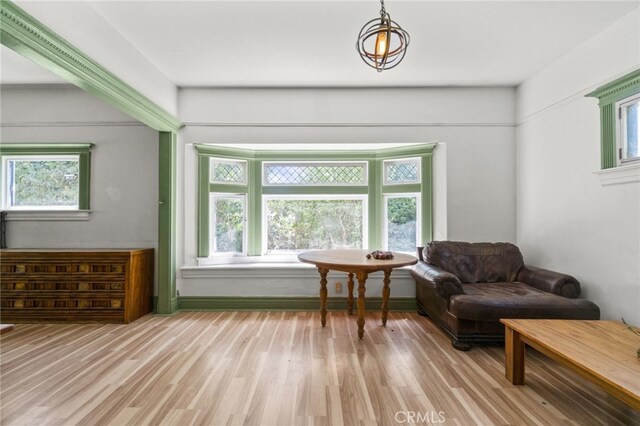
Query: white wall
point(116, 53)
point(476, 124)
point(124, 167)
point(567, 221)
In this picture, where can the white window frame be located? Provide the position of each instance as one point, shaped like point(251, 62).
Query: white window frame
point(212, 229)
point(213, 160)
point(354, 197)
point(265, 164)
point(385, 216)
point(6, 191)
point(621, 128)
point(401, 160)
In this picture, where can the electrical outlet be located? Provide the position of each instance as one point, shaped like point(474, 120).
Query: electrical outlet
point(338, 287)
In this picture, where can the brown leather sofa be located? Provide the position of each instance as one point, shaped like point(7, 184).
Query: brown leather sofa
point(466, 288)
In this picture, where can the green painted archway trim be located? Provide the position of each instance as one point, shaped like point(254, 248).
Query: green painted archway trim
point(167, 208)
point(27, 36)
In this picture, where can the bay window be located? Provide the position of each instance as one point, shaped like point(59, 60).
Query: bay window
point(256, 203)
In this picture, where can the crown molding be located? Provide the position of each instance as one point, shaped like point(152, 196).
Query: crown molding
point(27, 36)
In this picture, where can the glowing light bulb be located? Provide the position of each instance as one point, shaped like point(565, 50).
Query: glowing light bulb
point(381, 44)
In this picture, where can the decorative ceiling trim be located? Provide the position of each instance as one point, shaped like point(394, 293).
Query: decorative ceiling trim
point(27, 36)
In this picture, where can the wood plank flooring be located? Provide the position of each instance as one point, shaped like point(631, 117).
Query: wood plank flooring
point(279, 368)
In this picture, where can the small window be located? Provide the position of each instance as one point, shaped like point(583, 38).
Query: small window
point(318, 173)
point(402, 171)
point(298, 223)
point(628, 119)
point(228, 171)
point(401, 221)
point(45, 176)
point(228, 218)
point(42, 182)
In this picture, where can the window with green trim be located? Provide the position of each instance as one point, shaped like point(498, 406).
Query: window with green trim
point(284, 202)
point(45, 176)
point(619, 103)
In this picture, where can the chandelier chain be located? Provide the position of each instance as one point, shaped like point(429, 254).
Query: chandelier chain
point(383, 11)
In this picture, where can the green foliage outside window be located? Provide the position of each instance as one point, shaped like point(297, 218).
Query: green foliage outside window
point(295, 225)
point(45, 183)
point(401, 223)
point(229, 224)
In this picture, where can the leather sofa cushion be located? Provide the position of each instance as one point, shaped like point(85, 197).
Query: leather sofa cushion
point(493, 301)
point(476, 262)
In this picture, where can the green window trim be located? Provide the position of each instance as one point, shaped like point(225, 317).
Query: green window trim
point(82, 150)
point(608, 95)
point(255, 189)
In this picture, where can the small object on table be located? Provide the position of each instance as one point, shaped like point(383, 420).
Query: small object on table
point(380, 255)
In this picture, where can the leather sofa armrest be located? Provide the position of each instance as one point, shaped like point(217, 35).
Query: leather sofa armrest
point(550, 281)
point(444, 283)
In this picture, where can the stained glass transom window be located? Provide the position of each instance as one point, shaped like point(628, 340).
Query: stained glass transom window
point(225, 171)
point(402, 171)
point(315, 174)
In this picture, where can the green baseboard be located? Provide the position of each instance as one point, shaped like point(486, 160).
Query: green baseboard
point(215, 303)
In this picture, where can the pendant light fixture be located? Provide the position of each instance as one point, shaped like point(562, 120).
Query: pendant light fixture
point(381, 43)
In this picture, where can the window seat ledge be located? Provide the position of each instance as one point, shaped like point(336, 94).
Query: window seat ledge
point(617, 175)
point(46, 215)
point(267, 270)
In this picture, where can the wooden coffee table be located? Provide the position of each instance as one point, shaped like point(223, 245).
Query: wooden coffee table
point(354, 262)
point(603, 352)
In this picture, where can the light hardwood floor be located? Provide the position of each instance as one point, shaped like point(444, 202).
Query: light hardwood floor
point(279, 368)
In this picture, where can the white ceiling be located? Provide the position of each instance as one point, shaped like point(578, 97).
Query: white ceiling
point(312, 43)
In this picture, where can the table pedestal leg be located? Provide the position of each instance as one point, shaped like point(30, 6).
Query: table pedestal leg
point(350, 296)
point(323, 295)
point(386, 292)
point(362, 278)
point(514, 356)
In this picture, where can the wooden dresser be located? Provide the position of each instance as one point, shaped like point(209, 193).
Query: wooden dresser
point(111, 285)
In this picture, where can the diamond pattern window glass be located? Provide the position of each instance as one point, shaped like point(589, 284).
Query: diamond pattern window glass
point(228, 171)
point(402, 171)
point(315, 173)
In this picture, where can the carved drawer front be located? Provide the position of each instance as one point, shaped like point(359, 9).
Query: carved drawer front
point(13, 285)
point(83, 267)
point(113, 285)
point(12, 267)
point(76, 286)
point(58, 304)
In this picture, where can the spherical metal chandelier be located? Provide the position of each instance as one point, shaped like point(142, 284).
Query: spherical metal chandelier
point(382, 43)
